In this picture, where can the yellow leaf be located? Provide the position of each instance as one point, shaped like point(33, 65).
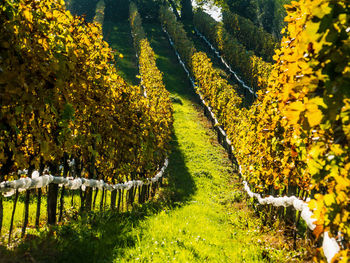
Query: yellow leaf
point(293, 111)
point(329, 199)
point(28, 15)
point(313, 114)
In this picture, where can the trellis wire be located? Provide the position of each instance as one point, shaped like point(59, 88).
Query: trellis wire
point(9, 188)
point(329, 245)
point(217, 53)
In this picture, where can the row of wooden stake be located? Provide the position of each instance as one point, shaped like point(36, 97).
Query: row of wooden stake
point(120, 199)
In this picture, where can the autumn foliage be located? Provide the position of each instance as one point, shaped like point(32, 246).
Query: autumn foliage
point(159, 104)
point(294, 139)
point(61, 94)
point(251, 36)
point(253, 69)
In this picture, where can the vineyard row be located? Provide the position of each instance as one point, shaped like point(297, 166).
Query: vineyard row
point(68, 102)
point(329, 245)
point(282, 142)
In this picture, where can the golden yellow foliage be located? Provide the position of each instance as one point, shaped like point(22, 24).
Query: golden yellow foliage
point(61, 93)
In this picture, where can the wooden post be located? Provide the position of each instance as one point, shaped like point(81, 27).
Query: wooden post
point(38, 201)
point(1, 213)
point(72, 200)
point(119, 199)
point(88, 191)
point(38, 207)
point(95, 197)
point(65, 172)
point(26, 205)
point(52, 198)
point(290, 211)
point(102, 199)
point(113, 199)
point(140, 195)
point(148, 192)
point(105, 202)
point(78, 167)
point(88, 199)
point(26, 213)
point(13, 215)
point(122, 204)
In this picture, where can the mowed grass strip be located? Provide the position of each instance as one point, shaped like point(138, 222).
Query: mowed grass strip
point(119, 38)
point(206, 226)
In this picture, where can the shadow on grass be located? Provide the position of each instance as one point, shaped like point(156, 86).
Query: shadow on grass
point(118, 36)
point(117, 10)
point(85, 8)
point(103, 236)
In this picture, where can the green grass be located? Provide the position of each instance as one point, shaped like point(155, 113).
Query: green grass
point(200, 228)
point(69, 207)
point(119, 38)
point(85, 8)
point(206, 226)
point(203, 47)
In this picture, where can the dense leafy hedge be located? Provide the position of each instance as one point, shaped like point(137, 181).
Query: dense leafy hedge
point(253, 69)
point(159, 104)
point(295, 138)
point(149, 9)
point(60, 94)
point(314, 97)
point(252, 37)
point(214, 89)
point(184, 46)
point(222, 96)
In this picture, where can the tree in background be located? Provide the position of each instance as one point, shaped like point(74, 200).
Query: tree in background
point(267, 10)
point(268, 14)
point(271, 14)
point(246, 8)
point(279, 15)
point(118, 10)
point(149, 9)
point(186, 10)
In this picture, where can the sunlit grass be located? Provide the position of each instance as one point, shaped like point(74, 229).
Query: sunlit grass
point(72, 204)
point(201, 229)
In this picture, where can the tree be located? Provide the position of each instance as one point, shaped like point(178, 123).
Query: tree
point(186, 10)
point(268, 10)
point(246, 8)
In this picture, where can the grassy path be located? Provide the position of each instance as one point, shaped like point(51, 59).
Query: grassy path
point(119, 38)
point(202, 221)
